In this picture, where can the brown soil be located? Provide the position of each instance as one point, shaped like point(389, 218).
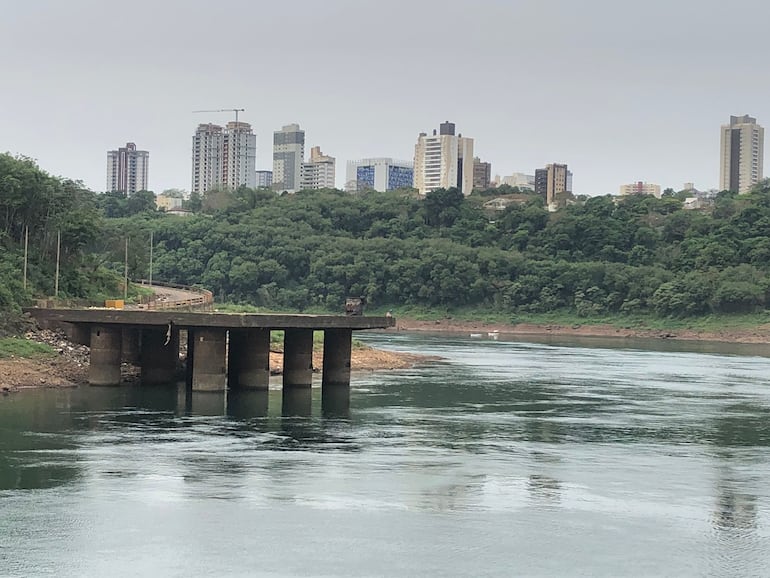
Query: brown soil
point(17, 373)
point(760, 334)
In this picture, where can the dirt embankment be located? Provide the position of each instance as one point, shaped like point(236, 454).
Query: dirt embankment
point(760, 334)
point(68, 367)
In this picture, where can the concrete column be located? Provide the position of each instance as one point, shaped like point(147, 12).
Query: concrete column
point(158, 357)
point(104, 368)
point(210, 360)
point(249, 359)
point(297, 358)
point(78, 333)
point(337, 348)
point(130, 345)
point(189, 360)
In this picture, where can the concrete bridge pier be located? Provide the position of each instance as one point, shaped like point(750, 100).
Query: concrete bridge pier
point(338, 344)
point(249, 359)
point(130, 345)
point(335, 383)
point(78, 333)
point(297, 358)
point(159, 355)
point(209, 369)
point(104, 367)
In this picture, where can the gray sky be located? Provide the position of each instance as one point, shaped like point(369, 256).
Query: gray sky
point(619, 90)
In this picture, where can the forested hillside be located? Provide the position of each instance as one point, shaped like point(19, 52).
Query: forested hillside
point(637, 255)
point(43, 208)
point(599, 256)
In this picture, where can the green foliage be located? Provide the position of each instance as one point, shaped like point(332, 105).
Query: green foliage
point(598, 257)
point(16, 347)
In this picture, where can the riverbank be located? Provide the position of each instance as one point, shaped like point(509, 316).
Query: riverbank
point(757, 334)
point(67, 365)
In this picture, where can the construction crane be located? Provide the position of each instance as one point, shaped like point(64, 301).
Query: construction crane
point(235, 110)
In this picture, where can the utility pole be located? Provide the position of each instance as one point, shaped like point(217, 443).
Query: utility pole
point(151, 232)
point(125, 274)
point(26, 252)
point(58, 256)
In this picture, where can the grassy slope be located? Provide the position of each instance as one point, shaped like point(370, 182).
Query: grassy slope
point(17, 347)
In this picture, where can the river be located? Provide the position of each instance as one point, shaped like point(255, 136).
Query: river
point(558, 458)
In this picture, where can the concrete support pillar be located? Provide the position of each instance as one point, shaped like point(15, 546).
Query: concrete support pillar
point(159, 356)
point(297, 358)
point(210, 360)
point(249, 359)
point(78, 333)
point(337, 348)
point(130, 345)
point(188, 368)
point(104, 368)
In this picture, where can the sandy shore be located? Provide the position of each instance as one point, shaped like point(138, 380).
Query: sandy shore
point(760, 334)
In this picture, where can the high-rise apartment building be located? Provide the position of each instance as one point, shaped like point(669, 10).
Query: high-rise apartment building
point(443, 160)
point(552, 181)
point(742, 149)
point(288, 155)
point(482, 174)
point(640, 188)
point(127, 169)
point(264, 179)
point(239, 156)
point(379, 174)
point(206, 158)
point(319, 172)
point(223, 157)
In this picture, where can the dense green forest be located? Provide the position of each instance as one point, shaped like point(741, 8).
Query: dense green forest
point(598, 256)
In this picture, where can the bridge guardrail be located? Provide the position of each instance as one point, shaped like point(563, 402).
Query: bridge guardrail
point(204, 302)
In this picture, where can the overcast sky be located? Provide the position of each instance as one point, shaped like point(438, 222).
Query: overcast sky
point(621, 91)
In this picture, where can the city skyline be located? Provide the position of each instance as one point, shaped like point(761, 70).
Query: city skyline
point(618, 112)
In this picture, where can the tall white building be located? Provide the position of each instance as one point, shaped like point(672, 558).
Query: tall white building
point(379, 174)
point(443, 160)
point(319, 172)
point(127, 169)
point(223, 157)
point(288, 155)
point(207, 157)
point(239, 156)
point(742, 149)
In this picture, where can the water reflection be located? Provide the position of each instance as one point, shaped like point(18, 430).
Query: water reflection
point(512, 446)
point(247, 404)
point(297, 402)
point(335, 402)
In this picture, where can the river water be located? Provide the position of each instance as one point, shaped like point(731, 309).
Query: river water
point(503, 458)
